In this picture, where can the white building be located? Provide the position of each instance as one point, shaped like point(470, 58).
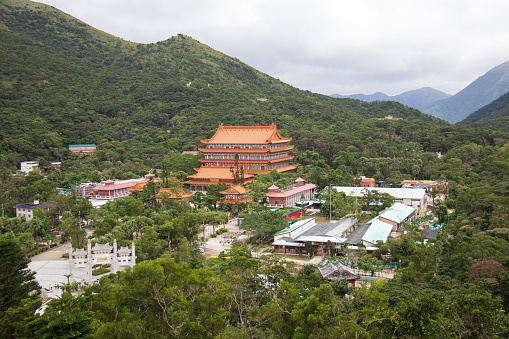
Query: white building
point(27, 210)
point(29, 166)
point(413, 197)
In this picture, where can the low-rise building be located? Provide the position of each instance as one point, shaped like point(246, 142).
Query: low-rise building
point(289, 196)
point(413, 197)
point(29, 166)
point(397, 214)
point(82, 148)
point(294, 238)
point(27, 210)
point(378, 231)
point(337, 271)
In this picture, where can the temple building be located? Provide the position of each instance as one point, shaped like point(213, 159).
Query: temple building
point(258, 149)
point(236, 194)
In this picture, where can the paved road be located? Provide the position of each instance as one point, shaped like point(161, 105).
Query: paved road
point(214, 246)
point(53, 254)
point(56, 252)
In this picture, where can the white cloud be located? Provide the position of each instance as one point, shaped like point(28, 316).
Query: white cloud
point(327, 46)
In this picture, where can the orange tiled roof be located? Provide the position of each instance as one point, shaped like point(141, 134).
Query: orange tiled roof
point(173, 193)
point(237, 190)
point(208, 182)
point(280, 170)
point(213, 172)
point(246, 135)
point(245, 150)
point(139, 185)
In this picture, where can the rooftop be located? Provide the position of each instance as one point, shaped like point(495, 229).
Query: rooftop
point(173, 193)
point(332, 231)
point(213, 172)
point(398, 193)
point(295, 225)
point(398, 212)
point(246, 135)
point(288, 191)
point(378, 230)
point(237, 190)
point(337, 271)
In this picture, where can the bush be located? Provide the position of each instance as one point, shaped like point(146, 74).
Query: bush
point(100, 271)
point(221, 231)
point(65, 256)
point(213, 235)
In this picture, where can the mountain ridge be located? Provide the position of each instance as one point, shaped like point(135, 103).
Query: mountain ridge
point(418, 98)
point(485, 89)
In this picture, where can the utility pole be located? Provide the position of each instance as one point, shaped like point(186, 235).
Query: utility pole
point(330, 202)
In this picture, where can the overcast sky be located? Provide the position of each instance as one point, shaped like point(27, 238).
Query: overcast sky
point(336, 46)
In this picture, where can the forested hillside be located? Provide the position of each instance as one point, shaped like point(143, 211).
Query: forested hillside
point(64, 82)
point(493, 116)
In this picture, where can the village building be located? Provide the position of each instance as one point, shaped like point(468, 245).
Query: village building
point(294, 213)
point(84, 190)
point(378, 230)
point(337, 271)
point(82, 148)
point(293, 239)
point(256, 149)
point(291, 195)
point(367, 182)
point(397, 214)
point(56, 164)
point(29, 166)
point(110, 189)
point(432, 187)
point(413, 197)
point(27, 210)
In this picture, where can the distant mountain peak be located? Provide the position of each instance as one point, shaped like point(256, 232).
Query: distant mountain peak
point(417, 98)
point(479, 93)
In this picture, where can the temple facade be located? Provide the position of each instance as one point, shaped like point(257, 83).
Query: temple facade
point(258, 149)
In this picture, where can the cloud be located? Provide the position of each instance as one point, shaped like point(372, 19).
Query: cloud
point(327, 46)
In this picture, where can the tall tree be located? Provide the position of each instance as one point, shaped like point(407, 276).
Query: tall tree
point(16, 280)
point(237, 172)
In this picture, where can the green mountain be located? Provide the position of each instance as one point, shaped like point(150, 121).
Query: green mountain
point(64, 82)
point(479, 93)
point(493, 116)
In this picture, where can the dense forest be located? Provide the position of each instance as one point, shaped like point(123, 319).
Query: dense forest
point(63, 82)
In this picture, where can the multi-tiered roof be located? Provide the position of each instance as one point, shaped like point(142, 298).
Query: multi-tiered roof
point(258, 149)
